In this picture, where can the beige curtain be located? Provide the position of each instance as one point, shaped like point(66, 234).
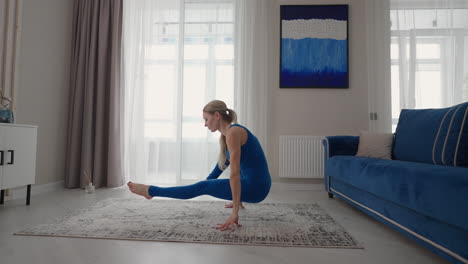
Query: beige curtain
point(94, 148)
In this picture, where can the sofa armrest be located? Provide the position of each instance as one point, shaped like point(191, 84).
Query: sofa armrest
point(340, 145)
point(337, 145)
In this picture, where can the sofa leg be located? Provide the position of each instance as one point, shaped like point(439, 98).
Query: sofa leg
point(330, 195)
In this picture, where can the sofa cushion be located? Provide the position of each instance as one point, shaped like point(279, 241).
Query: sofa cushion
point(433, 190)
point(375, 145)
point(436, 136)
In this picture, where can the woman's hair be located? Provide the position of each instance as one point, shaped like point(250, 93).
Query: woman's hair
point(229, 116)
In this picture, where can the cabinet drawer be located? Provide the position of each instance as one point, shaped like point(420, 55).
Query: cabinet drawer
point(18, 145)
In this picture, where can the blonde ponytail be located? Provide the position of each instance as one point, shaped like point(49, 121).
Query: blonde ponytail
point(233, 116)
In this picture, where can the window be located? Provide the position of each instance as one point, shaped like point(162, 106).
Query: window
point(429, 60)
point(207, 65)
point(178, 56)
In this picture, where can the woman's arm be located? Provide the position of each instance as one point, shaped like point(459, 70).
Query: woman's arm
point(233, 141)
point(217, 171)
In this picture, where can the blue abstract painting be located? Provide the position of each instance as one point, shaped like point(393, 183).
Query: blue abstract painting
point(314, 46)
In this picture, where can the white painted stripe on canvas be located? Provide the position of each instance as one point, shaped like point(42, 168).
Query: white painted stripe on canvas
point(314, 28)
point(451, 253)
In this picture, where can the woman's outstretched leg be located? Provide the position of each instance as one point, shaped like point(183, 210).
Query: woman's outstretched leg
point(219, 188)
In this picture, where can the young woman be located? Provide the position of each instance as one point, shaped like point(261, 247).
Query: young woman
point(249, 180)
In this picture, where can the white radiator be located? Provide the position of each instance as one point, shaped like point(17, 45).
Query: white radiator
point(301, 157)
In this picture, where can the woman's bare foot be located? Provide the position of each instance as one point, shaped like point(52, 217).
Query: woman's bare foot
point(230, 205)
point(139, 189)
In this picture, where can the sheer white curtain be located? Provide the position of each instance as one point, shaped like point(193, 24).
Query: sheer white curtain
point(378, 64)
point(253, 22)
point(429, 54)
point(178, 55)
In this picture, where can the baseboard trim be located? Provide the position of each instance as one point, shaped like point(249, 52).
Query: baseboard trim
point(296, 186)
point(20, 192)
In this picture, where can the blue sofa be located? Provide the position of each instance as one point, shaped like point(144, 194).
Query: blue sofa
point(423, 191)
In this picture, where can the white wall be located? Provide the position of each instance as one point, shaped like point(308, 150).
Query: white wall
point(321, 112)
point(42, 96)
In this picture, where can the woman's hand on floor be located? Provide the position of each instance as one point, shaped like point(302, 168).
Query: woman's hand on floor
point(232, 222)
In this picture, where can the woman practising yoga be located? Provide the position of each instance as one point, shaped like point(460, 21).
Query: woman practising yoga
point(249, 180)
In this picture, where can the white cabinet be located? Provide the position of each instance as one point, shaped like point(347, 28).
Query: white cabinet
point(17, 157)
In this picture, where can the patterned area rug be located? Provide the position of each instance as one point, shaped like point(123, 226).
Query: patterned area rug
point(264, 224)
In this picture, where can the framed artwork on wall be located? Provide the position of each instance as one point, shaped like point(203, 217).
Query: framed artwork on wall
point(314, 46)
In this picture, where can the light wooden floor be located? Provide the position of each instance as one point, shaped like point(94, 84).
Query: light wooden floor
point(382, 244)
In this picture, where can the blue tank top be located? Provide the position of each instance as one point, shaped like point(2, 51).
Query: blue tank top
point(253, 163)
point(252, 155)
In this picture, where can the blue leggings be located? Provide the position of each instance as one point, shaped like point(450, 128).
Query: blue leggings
point(251, 192)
